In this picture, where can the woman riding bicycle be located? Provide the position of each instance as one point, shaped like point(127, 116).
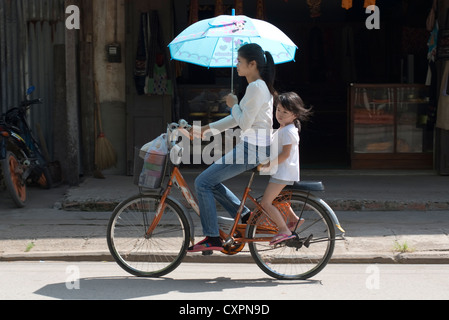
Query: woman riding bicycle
point(254, 116)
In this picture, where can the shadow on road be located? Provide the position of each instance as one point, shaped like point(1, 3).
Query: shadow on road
point(135, 288)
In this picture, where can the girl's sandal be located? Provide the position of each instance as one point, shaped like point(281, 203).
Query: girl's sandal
point(281, 237)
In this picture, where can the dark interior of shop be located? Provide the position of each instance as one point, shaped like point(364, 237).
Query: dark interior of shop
point(335, 50)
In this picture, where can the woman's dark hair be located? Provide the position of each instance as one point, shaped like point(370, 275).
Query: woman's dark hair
point(264, 60)
point(292, 102)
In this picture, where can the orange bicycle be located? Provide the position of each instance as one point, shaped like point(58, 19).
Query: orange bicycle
point(149, 233)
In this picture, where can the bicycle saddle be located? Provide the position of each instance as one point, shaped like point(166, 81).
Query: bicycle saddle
point(301, 185)
point(306, 186)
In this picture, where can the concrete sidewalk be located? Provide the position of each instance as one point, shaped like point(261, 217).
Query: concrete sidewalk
point(346, 190)
point(383, 213)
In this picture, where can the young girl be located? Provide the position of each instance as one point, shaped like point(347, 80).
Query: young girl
point(290, 111)
point(254, 116)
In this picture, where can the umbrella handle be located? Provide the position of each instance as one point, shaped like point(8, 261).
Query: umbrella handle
point(232, 79)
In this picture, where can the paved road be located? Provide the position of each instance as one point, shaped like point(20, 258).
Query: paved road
point(228, 282)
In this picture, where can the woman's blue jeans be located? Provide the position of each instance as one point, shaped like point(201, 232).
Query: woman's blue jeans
point(209, 186)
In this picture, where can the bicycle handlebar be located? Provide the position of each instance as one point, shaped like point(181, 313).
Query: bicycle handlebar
point(31, 102)
point(173, 130)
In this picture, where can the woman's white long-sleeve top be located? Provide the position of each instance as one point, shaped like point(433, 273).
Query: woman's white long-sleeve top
point(254, 115)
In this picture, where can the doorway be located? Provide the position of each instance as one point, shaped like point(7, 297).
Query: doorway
point(148, 112)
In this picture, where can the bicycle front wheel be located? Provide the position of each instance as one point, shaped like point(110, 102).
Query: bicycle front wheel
point(143, 253)
point(12, 172)
point(299, 258)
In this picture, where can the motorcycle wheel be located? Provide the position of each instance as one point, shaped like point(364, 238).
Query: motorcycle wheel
point(12, 175)
point(44, 180)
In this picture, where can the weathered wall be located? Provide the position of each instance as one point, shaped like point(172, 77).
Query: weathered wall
point(111, 76)
point(36, 49)
point(29, 30)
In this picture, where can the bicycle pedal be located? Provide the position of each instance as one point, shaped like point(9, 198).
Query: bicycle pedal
point(207, 253)
point(307, 242)
point(228, 242)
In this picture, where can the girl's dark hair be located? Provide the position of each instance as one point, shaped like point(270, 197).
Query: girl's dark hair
point(292, 102)
point(264, 60)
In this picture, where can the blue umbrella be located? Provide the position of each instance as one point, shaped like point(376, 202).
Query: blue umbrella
point(213, 43)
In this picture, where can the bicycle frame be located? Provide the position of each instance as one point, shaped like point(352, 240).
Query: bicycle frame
point(177, 179)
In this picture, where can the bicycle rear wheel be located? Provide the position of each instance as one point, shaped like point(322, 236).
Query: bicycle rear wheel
point(300, 258)
point(144, 255)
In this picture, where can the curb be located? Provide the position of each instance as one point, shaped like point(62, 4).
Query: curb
point(335, 204)
point(361, 258)
point(388, 205)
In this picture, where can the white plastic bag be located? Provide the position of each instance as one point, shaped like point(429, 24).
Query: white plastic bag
point(154, 154)
point(158, 146)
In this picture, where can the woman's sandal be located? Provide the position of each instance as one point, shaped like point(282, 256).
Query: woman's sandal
point(205, 245)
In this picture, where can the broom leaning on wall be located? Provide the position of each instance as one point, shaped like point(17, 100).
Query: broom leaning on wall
point(105, 155)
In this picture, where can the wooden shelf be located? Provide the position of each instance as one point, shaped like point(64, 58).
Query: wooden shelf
point(387, 128)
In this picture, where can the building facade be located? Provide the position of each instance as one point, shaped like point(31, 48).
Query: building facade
point(120, 48)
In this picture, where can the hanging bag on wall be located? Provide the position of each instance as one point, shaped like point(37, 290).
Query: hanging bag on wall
point(430, 22)
point(443, 40)
point(443, 100)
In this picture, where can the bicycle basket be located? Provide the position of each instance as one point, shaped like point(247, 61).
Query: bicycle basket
point(149, 169)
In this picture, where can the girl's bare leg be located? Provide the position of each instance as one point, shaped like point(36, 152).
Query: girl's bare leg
point(292, 219)
point(271, 192)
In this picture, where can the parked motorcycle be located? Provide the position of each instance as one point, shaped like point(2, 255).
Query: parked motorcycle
point(21, 158)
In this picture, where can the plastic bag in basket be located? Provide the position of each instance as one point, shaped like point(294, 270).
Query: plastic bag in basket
point(158, 146)
point(154, 154)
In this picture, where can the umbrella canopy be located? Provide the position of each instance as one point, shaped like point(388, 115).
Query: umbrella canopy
point(214, 42)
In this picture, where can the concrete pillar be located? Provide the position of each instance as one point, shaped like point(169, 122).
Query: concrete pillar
point(66, 110)
point(87, 96)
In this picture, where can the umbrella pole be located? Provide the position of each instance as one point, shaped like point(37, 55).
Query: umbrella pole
point(232, 57)
point(232, 68)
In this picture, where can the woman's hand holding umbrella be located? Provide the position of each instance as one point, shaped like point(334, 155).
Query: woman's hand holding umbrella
point(231, 100)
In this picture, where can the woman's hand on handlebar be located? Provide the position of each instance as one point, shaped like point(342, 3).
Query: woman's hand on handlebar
point(185, 132)
point(195, 132)
point(204, 130)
